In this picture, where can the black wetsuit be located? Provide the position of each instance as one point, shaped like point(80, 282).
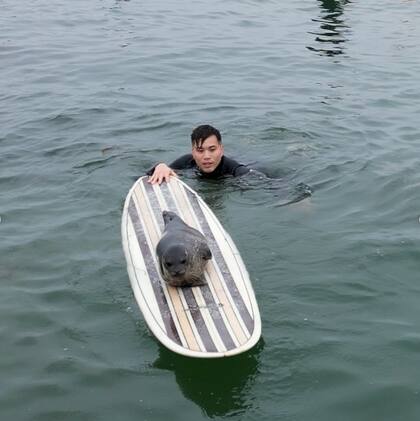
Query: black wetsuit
point(227, 166)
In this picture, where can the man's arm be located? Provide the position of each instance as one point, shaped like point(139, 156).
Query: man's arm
point(162, 172)
point(232, 167)
point(240, 170)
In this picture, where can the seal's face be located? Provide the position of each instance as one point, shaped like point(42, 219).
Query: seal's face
point(182, 252)
point(208, 154)
point(175, 262)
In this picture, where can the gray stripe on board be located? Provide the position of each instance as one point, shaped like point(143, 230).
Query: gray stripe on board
point(217, 317)
point(230, 283)
point(154, 203)
point(155, 209)
point(199, 320)
point(153, 274)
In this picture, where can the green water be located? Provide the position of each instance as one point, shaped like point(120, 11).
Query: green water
point(324, 93)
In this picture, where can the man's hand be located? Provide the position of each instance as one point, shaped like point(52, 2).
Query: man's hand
point(162, 173)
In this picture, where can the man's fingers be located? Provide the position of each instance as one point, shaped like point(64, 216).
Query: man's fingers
point(169, 175)
point(153, 179)
point(160, 176)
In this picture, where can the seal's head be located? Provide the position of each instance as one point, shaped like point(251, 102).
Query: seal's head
point(182, 252)
point(169, 216)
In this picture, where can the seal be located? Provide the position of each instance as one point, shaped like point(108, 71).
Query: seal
point(182, 252)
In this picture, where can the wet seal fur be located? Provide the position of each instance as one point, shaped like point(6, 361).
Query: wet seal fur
point(182, 252)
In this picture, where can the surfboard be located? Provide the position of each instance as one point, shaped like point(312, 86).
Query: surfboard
point(218, 319)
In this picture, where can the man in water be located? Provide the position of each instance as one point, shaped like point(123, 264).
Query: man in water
point(207, 157)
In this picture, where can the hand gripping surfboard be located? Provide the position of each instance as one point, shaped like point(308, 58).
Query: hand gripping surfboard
point(218, 319)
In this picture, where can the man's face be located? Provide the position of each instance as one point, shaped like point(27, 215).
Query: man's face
point(208, 155)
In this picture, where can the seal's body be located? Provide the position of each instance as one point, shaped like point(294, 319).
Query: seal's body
point(182, 252)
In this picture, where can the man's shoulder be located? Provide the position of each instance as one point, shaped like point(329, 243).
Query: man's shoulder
point(230, 162)
point(234, 167)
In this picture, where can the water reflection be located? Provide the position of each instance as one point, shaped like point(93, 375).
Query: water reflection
point(333, 29)
point(218, 386)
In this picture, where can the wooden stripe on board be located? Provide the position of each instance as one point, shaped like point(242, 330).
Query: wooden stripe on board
point(216, 321)
point(152, 234)
point(197, 315)
point(180, 303)
point(230, 283)
point(200, 320)
point(216, 300)
point(228, 324)
point(216, 272)
point(175, 307)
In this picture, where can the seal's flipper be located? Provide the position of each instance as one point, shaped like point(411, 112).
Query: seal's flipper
point(196, 282)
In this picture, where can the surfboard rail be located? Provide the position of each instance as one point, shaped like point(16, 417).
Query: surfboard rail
point(218, 319)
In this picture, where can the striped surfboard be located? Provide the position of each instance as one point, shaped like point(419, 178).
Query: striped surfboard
point(218, 319)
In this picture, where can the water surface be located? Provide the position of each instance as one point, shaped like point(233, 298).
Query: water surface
point(318, 93)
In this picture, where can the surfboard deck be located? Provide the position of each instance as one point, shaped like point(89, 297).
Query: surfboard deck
point(218, 319)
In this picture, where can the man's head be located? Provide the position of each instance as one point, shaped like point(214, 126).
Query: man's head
point(207, 148)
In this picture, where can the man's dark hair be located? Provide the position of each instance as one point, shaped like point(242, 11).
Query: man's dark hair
point(201, 133)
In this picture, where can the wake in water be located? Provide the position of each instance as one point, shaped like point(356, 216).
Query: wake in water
point(253, 188)
point(279, 189)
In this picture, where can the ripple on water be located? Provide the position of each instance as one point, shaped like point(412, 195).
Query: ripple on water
point(408, 342)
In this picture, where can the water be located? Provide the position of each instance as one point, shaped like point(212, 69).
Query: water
point(324, 93)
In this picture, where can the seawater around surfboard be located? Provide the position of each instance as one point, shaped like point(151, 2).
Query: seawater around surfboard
point(218, 319)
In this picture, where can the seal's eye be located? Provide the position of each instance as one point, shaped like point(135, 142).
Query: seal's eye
point(183, 261)
point(169, 264)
